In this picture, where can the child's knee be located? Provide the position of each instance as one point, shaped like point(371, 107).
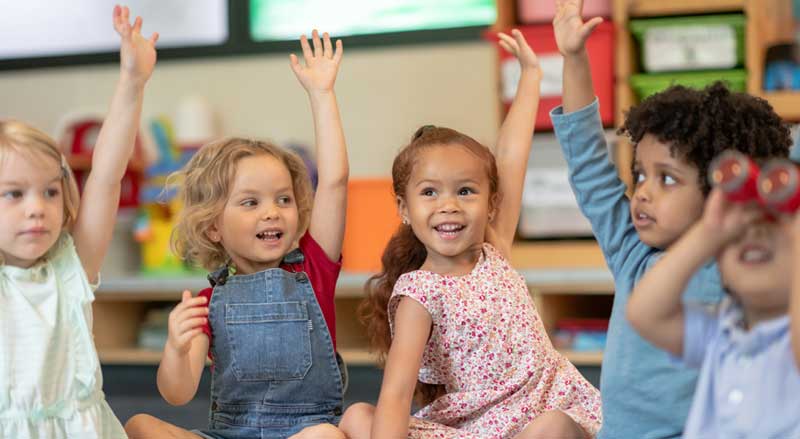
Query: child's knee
point(553, 424)
point(139, 425)
point(320, 431)
point(356, 418)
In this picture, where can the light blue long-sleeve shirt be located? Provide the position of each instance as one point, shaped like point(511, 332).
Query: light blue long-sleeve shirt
point(645, 394)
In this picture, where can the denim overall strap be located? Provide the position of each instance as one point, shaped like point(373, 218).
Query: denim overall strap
point(274, 363)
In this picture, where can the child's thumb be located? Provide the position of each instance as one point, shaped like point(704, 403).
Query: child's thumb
point(186, 295)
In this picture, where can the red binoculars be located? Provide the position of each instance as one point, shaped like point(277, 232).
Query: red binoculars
point(776, 185)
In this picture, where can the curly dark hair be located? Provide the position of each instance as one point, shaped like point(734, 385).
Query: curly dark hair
point(699, 124)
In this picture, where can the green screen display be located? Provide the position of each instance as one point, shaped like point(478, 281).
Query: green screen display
point(276, 20)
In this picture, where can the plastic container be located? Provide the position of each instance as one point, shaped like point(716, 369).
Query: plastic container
point(371, 220)
point(600, 46)
point(541, 11)
point(647, 84)
point(691, 43)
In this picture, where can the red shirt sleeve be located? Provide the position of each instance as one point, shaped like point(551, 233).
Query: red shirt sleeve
point(207, 326)
point(323, 274)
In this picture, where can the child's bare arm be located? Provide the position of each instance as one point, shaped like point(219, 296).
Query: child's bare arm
point(98, 208)
point(413, 325)
point(185, 351)
point(571, 34)
point(655, 308)
point(794, 307)
point(318, 76)
point(514, 140)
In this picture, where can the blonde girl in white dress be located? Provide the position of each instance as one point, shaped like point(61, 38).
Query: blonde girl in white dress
point(51, 250)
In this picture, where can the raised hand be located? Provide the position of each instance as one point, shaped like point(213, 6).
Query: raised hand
point(516, 45)
point(137, 53)
point(570, 30)
point(321, 62)
point(725, 220)
point(185, 322)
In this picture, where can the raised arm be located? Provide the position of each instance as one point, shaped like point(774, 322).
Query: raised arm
point(794, 308)
point(655, 308)
point(514, 140)
point(318, 76)
point(412, 328)
point(98, 209)
point(571, 34)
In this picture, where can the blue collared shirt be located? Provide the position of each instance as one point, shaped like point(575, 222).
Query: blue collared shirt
point(645, 394)
point(749, 385)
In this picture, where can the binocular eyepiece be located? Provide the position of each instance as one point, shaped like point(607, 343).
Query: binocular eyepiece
point(775, 186)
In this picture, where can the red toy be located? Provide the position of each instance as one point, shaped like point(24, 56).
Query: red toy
point(779, 185)
point(737, 175)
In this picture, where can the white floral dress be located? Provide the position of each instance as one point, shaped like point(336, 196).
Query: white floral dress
point(489, 348)
point(50, 378)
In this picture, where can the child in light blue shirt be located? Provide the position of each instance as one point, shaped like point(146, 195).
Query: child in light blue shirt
point(675, 134)
point(749, 385)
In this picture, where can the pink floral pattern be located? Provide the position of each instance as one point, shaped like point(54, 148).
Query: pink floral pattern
point(489, 348)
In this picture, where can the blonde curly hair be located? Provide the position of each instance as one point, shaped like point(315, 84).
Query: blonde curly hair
point(205, 184)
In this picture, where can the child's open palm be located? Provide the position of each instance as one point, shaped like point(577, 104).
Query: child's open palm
point(137, 54)
point(570, 30)
point(321, 63)
point(516, 45)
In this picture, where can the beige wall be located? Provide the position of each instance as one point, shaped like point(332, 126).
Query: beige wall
point(384, 95)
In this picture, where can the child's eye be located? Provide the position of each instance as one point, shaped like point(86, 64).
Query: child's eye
point(249, 202)
point(12, 195)
point(52, 193)
point(638, 177)
point(668, 180)
point(285, 200)
point(464, 191)
point(428, 192)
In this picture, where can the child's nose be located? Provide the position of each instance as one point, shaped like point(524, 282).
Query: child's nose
point(270, 211)
point(35, 207)
point(449, 204)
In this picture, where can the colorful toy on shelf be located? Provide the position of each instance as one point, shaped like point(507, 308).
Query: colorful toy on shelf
point(159, 205)
point(78, 133)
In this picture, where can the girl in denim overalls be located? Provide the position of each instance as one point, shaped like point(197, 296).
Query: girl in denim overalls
point(269, 323)
point(51, 248)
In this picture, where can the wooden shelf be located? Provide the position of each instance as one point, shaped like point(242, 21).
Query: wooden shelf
point(584, 358)
point(786, 104)
point(350, 285)
point(650, 8)
point(146, 357)
point(353, 357)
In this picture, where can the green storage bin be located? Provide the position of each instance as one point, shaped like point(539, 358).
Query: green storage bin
point(691, 43)
point(647, 84)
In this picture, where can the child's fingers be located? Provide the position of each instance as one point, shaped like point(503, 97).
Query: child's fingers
point(589, 26)
point(137, 25)
point(189, 335)
point(186, 295)
point(506, 47)
point(191, 324)
point(154, 38)
point(294, 63)
point(307, 54)
point(337, 57)
point(326, 44)
point(190, 313)
point(317, 43)
point(519, 38)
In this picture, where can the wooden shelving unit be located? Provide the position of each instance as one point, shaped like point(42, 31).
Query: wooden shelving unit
point(557, 274)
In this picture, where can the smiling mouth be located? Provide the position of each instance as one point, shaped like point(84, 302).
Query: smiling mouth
point(270, 235)
point(449, 230)
point(752, 256)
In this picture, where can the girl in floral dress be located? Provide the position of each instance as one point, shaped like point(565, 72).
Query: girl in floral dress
point(454, 322)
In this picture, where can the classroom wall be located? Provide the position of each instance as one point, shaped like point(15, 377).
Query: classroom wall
point(384, 95)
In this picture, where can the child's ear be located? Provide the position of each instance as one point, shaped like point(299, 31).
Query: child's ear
point(213, 233)
point(402, 210)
